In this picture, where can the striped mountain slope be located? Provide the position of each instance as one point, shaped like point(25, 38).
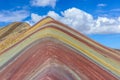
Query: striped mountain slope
point(11, 41)
point(11, 32)
point(12, 28)
point(51, 50)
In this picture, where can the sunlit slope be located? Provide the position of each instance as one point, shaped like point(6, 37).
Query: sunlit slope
point(16, 27)
point(106, 59)
point(11, 32)
point(11, 40)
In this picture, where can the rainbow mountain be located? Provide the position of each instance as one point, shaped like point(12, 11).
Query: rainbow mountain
point(51, 50)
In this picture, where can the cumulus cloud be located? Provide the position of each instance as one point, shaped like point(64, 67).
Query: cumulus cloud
point(35, 18)
point(82, 21)
point(106, 25)
point(43, 3)
point(12, 16)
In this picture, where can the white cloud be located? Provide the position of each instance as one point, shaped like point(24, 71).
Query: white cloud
point(43, 3)
point(106, 25)
point(77, 19)
point(12, 16)
point(35, 18)
point(83, 22)
point(101, 5)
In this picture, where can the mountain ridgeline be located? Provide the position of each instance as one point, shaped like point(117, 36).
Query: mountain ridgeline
point(51, 50)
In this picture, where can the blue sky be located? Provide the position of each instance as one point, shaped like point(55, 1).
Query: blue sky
point(98, 19)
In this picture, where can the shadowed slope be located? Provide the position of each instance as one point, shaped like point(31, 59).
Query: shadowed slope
point(12, 28)
point(11, 32)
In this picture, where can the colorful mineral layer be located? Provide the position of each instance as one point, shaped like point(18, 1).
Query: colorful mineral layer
point(50, 50)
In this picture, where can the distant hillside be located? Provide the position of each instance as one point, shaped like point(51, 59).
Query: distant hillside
point(118, 50)
point(11, 32)
point(16, 27)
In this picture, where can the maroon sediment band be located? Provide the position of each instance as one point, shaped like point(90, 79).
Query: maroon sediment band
point(35, 56)
point(103, 52)
point(56, 22)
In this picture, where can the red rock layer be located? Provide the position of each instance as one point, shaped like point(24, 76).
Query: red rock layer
point(103, 52)
point(33, 57)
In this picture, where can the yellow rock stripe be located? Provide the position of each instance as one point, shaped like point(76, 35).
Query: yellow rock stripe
point(69, 40)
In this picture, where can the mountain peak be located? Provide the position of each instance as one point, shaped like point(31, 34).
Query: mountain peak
point(52, 50)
